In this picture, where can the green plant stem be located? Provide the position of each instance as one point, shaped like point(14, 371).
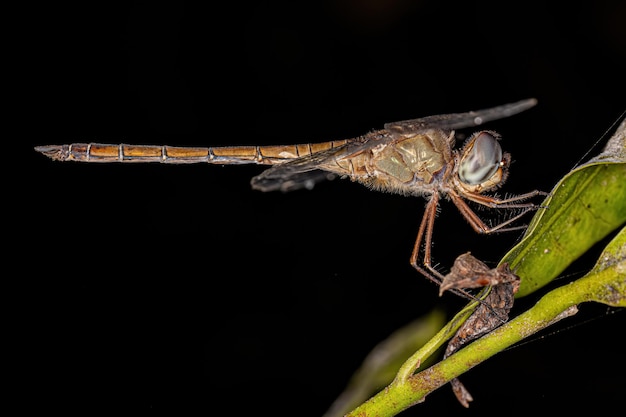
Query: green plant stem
point(430, 347)
point(606, 286)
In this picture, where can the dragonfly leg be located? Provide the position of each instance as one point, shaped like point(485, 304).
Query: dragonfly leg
point(479, 225)
point(511, 202)
point(425, 232)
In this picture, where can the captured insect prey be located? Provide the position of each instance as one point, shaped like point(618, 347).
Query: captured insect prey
point(412, 158)
point(469, 272)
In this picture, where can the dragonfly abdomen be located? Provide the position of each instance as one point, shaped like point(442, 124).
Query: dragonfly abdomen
point(264, 155)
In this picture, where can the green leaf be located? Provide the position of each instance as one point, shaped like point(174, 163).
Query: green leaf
point(607, 279)
point(583, 208)
point(381, 365)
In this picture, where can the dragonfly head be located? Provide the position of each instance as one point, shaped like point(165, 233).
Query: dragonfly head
point(483, 165)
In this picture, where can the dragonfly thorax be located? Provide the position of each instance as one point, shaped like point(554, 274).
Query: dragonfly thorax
point(411, 165)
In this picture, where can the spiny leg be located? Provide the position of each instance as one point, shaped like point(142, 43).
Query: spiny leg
point(425, 232)
point(511, 202)
point(426, 228)
point(479, 225)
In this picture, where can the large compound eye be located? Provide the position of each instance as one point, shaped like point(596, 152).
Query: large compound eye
point(482, 161)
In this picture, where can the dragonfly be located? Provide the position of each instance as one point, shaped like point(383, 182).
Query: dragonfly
point(414, 157)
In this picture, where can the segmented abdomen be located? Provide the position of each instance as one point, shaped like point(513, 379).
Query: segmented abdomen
point(265, 155)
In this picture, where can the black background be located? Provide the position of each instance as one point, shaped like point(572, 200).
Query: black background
point(178, 288)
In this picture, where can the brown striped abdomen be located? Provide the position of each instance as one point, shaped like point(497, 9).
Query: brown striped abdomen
point(265, 155)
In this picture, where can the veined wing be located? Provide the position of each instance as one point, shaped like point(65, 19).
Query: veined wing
point(458, 120)
point(306, 171)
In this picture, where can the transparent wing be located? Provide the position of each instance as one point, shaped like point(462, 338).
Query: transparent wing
point(459, 120)
point(306, 171)
point(276, 179)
